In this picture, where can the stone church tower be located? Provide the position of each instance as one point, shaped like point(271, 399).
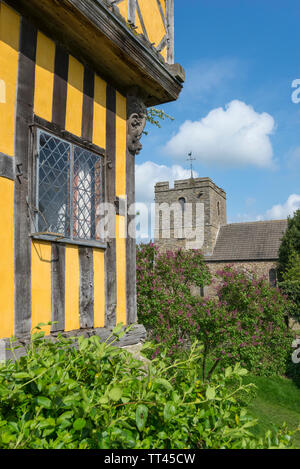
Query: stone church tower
point(201, 209)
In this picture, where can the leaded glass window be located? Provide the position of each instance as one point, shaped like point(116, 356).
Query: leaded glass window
point(68, 188)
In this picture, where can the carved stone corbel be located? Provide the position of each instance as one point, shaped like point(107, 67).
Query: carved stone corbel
point(136, 121)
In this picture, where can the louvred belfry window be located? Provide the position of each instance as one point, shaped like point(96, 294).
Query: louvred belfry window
point(68, 188)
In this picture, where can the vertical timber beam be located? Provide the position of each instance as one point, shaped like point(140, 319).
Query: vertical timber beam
point(60, 86)
point(110, 195)
point(170, 24)
point(86, 261)
point(132, 12)
point(58, 259)
point(24, 117)
point(136, 121)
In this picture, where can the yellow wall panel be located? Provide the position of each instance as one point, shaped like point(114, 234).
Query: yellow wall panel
point(99, 288)
point(72, 288)
point(121, 269)
point(120, 145)
point(7, 259)
point(41, 284)
point(123, 9)
point(99, 131)
point(9, 44)
point(153, 21)
point(44, 77)
point(74, 97)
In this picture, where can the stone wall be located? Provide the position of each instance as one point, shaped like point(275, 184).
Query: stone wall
point(194, 191)
point(261, 269)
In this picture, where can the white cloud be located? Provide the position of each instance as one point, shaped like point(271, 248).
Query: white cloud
point(284, 210)
point(235, 136)
point(148, 174)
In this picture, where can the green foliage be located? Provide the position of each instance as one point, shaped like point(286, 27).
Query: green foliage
point(101, 397)
point(290, 243)
point(292, 291)
point(154, 116)
point(292, 272)
point(163, 292)
point(255, 332)
point(245, 324)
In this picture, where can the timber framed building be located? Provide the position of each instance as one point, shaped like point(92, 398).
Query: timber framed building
point(76, 78)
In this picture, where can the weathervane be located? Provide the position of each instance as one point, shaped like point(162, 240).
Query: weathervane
point(190, 159)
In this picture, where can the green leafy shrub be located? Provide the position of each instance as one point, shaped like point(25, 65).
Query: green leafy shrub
point(101, 397)
point(246, 323)
point(164, 296)
point(290, 244)
point(256, 333)
point(292, 291)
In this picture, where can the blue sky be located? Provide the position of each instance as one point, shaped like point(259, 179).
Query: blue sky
point(240, 58)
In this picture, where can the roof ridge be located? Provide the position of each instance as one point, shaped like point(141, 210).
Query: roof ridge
point(254, 222)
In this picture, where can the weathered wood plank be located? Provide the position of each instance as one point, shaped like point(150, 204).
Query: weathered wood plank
point(130, 242)
point(110, 195)
point(136, 335)
point(6, 167)
point(24, 117)
point(86, 258)
point(86, 288)
point(61, 68)
point(58, 261)
point(132, 12)
point(170, 24)
point(88, 104)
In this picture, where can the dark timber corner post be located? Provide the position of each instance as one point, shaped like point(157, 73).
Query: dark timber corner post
point(136, 121)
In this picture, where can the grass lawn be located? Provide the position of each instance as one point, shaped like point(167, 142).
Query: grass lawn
point(277, 401)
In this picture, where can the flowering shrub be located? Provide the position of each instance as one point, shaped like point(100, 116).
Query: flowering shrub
point(254, 329)
point(165, 302)
point(246, 323)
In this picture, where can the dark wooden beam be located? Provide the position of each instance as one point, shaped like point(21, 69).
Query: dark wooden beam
point(24, 117)
point(6, 167)
point(110, 196)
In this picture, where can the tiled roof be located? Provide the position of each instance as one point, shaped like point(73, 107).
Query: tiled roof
point(249, 241)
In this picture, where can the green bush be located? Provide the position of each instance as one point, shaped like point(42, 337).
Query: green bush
point(100, 397)
point(164, 295)
point(290, 244)
point(246, 323)
point(257, 334)
point(292, 291)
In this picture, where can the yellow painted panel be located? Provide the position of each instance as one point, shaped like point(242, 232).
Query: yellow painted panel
point(120, 145)
point(99, 131)
point(44, 77)
point(9, 44)
point(99, 288)
point(74, 97)
point(41, 284)
point(153, 21)
point(164, 53)
point(121, 269)
point(123, 9)
point(7, 259)
point(72, 288)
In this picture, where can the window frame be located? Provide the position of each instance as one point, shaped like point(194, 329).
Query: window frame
point(40, 125)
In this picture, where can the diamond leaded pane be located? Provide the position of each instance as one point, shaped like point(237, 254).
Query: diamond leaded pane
point(53, 191)
point(86, 192)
